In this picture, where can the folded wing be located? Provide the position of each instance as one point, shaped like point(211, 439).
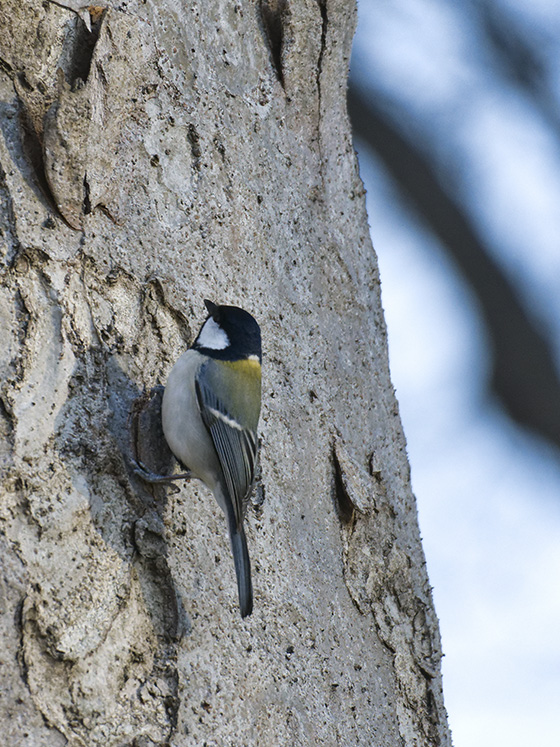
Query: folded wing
point(235, 445)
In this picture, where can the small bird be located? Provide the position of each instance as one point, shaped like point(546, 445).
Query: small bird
point(210, 412)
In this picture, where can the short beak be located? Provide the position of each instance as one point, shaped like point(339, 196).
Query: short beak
point(212, 308)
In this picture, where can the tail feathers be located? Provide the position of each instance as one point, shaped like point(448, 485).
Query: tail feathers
point(242, 570)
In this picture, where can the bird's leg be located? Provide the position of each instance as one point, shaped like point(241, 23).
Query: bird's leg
point(148, 476)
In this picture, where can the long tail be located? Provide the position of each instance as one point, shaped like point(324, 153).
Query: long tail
point(242, 569)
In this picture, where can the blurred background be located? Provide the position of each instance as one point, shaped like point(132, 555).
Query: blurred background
point(456, 116)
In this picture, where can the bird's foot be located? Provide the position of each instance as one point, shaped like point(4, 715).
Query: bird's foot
point(154, 479)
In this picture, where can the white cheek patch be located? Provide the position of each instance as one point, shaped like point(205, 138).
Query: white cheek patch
point(212, 336)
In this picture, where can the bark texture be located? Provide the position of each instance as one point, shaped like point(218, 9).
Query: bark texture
point(153, 154)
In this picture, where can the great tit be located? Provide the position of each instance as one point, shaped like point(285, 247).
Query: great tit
point(210, 411)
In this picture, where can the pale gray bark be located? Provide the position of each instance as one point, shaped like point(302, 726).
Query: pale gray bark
point(152, 156)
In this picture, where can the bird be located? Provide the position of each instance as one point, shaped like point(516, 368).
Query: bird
point(210, 413)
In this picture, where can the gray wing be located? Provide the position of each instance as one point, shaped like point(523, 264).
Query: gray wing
point(236, 446)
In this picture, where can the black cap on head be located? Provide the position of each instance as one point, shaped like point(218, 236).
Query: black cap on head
point(242, 330)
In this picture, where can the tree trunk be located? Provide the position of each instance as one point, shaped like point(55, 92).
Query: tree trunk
point(154, 154)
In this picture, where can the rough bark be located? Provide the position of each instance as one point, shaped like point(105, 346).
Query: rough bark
point(153, 154)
